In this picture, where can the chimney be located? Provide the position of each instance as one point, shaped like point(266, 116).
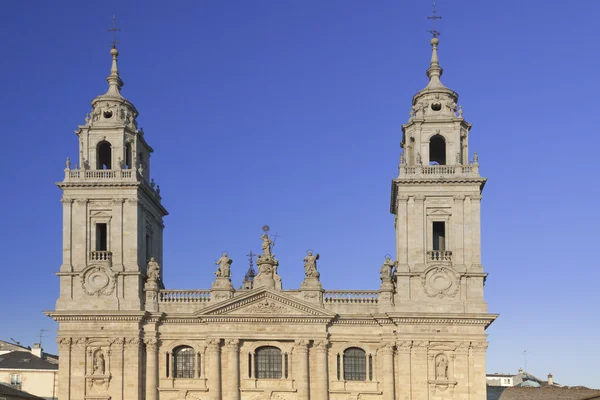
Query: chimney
point(520, 370)
point(550, 380)
point(37, 350)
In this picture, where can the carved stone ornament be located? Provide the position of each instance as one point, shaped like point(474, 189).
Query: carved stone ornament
point(440, 282)
point(63, 343)
point(151, 344)
point(98, 281)
point(266, 306)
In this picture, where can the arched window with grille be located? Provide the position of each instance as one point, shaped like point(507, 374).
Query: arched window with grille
point(268, 363)
point(183, 362)
point(355, 364)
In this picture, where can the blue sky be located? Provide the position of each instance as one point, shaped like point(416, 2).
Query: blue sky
point(288, 113)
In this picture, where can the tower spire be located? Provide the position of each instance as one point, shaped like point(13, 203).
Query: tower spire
point(114, 81)
point(434, 72)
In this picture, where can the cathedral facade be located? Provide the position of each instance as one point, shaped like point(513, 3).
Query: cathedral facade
point(124, 336)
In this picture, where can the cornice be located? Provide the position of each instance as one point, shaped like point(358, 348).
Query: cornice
point(117, 316)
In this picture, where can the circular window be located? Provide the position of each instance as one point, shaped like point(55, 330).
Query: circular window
point(108, 114)
point(436, 106)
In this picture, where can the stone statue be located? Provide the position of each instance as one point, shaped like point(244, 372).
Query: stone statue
point(413, 111)
point(68, 163)
point(87, 119)
point(310, 265)
point(99, 363)
point(85, 164)
point(419, 160)
point(152, 183)
point(385, 273)
point(402, 161)
point(224, 263)
point(266, 245)
point(451, 104)
point(475, 158)
point(158, 189)
point(441, 367)
point(460, 111)
point(153, 270)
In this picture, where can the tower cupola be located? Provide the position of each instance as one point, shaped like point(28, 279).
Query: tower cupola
point(111, 108)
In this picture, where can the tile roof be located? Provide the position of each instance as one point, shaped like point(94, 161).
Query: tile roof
point(24, 360)
point(542, 393)
point(7, 390)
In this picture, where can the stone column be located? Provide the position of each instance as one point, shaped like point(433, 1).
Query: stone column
point(116, 234)
point(420, 246)
point(131, 370)
point(214, 368)
point(461, 370)
point(64, 371)
point(402, 233)
point(468, 238)
point(322, 368)
point(458, 241)
point(233, 365)
point(78, 368)
point(387, 373)
point(301, 358)
point(476, 232)
point(419, 373)
point(403, 371)
point(151, 369)
point(477, 363)
point(116, 365)
point(67, 261)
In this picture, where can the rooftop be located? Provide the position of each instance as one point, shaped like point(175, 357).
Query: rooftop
point(9, 391)
point(24, 360)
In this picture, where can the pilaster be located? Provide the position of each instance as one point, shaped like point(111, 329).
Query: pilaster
point(301, 357)
point(117, 364)
point(387, 377)
point(403, 370)
point(151, 369)
point(477, 362)
point(78, 368)
point(322, 377)
point(233, 364)
point(402, 233)
point(419, 373)
point(214, 368)
point(64, 370)
point(476, 232)
point(67, 261)
point(132, 370)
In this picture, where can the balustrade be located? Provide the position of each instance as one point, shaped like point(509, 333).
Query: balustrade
point(100, 255)
point(184, 296)
point(445, 170)
point(437, 255)
point(354, 296)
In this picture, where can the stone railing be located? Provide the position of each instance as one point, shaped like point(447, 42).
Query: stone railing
point(350, 296)
point(184, 296)
point(95, 175)
point(100, 255)
point(409, 171)
point(99, 174)
point(437, 255)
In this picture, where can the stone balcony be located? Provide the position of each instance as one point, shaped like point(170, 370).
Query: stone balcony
point(109, 175)
point(439, 256)
point(435, 171)
point(100, 255)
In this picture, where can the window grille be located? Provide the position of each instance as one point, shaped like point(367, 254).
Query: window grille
point(355, 364)
point(370, 367)
point(338, 367)
point(268, 363)
point(183, 362)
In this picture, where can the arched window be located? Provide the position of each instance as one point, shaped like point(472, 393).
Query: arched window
point(183, 362)
point(355, 364)
point(128, 156)
point(437, 150)
point(104, 155)
point(267, 361)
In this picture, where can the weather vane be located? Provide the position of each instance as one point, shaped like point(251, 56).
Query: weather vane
point(114, 30)
point(435, 33)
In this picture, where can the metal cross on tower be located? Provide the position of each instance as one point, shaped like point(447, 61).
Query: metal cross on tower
point(434, 17)
point(114, 30)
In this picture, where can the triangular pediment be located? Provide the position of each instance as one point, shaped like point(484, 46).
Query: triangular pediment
point(264, 302)
point(440, 212)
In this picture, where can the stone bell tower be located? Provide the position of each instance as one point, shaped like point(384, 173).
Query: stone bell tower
point(112, 212)
point(436, 201)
